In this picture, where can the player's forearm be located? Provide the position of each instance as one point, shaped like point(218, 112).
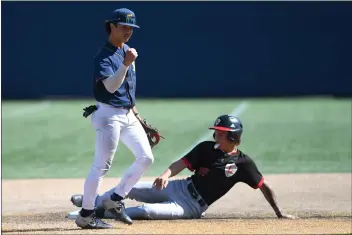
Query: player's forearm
point(270, 196)
point(135, 111)
point(174, 168)
point(114, 82)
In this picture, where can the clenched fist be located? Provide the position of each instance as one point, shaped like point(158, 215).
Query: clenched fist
point(131, 55)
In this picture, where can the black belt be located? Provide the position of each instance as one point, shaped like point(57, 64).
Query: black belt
point(192, 190)
point(90, 109)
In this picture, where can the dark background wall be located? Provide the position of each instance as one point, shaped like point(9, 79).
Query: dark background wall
point(186, 49)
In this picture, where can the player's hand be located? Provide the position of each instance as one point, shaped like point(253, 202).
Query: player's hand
point(131, 55)
point(287, 216)
point(161, 182)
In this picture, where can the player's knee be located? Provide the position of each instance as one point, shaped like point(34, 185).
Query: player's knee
point(102, 169)
point(148, 213)
point(147, 159)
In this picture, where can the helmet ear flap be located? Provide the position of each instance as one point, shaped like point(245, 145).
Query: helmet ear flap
point(230, 136)
point(234, 137)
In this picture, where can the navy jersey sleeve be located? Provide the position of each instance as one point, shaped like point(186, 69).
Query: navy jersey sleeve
point(102, 68)
point(252, 175)
point(192, 158)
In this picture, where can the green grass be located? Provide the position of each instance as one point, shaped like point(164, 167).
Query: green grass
point(52, 139)
point(298, 136)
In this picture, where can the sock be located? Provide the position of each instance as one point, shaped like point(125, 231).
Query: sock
point(116, 197)
point(86, 213)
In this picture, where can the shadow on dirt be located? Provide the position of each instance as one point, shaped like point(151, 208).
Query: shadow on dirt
point(15, 231)
point(51, 218)
point(265, 216)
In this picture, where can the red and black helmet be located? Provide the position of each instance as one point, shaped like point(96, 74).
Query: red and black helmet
point(231, 124)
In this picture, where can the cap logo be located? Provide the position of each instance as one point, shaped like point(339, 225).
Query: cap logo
point(130, 19)
point(217, 121)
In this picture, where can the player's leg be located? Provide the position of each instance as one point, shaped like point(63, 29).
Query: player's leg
point(159, 211)
point(143, 191)
point(135, 139)
point(107, 137)
point(168, 210)
point(179, 203)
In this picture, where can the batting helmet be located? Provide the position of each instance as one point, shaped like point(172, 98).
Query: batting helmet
point(231, 124)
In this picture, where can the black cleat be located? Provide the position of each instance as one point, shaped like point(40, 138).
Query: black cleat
point(117, 208)
point(91, 222)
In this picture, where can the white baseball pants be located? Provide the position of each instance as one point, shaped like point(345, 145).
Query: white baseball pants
point(112, 124)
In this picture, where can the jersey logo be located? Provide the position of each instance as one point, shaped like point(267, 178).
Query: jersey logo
point(230, 169)
point(133, 66)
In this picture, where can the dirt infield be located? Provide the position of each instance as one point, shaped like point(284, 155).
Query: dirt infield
point(323, 202)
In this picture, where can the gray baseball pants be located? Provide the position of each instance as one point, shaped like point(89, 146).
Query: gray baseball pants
point(173, 202)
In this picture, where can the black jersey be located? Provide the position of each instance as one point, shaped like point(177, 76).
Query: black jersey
point(217, 172)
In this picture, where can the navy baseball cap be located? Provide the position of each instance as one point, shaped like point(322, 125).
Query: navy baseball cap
point(123, 16)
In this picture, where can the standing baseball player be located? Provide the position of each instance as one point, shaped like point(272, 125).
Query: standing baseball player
point(115, 117)
point(217, 167)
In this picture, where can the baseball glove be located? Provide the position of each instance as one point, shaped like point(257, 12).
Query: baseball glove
point(89, 110)
point(152, 133)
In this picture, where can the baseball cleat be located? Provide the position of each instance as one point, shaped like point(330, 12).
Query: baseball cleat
point(99, 213)
point(77, 200)
point(117, 208)
point(91, 222)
